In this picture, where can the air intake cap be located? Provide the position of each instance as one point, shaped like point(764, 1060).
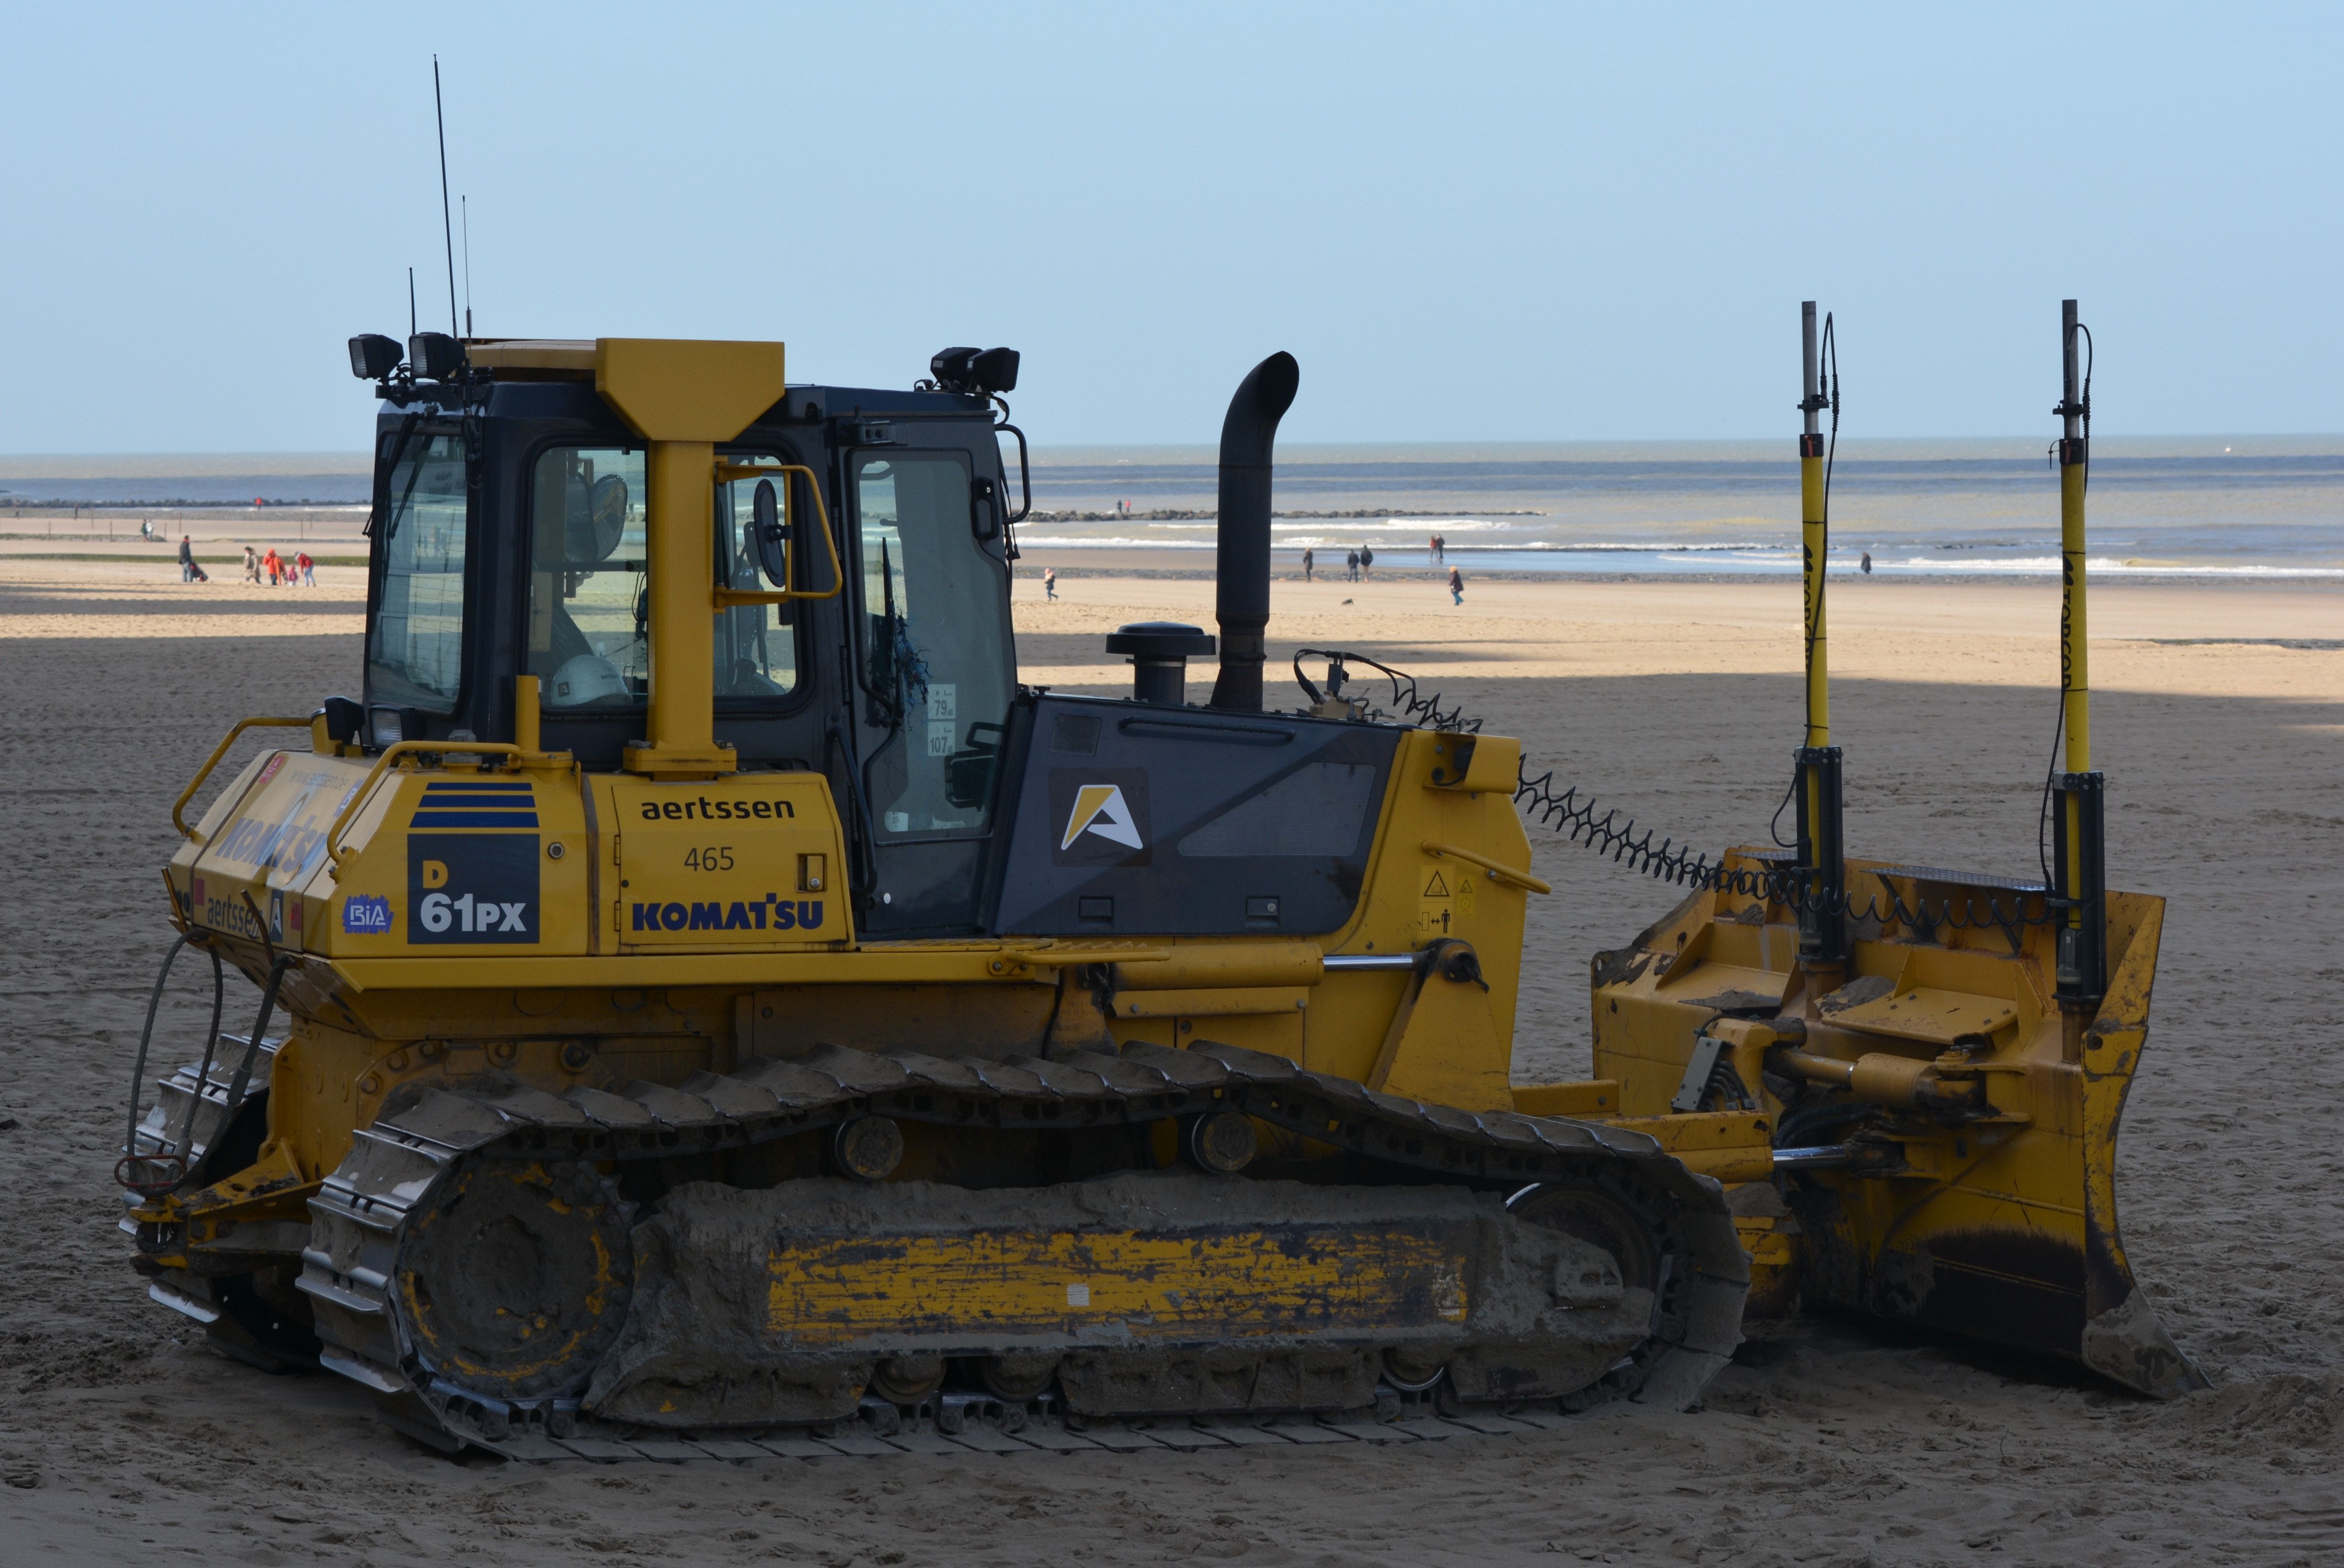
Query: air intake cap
point(1159, 651)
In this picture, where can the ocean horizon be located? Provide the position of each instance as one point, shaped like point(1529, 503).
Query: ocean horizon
point(2247, 505)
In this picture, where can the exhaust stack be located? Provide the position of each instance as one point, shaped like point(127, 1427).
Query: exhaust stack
point(1241, 601)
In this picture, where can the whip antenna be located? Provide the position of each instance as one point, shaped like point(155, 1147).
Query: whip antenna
point(411, 302)
point(464, 206)
point(447, 226)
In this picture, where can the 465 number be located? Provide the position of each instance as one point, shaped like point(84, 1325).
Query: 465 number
point(715, 857)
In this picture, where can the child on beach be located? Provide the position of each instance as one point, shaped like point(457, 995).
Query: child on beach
point(1049, 582)
point(1456, 586)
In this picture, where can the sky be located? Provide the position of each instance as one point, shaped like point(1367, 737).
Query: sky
point(1470, 223)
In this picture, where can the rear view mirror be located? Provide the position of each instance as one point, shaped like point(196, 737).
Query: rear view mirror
point(769, 532)
point(597, 519)
point(769, 525)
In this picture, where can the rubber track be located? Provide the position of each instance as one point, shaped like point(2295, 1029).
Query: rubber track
point(397, 1167)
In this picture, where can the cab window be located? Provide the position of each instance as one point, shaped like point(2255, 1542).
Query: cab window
point(588, 601)
point(936, 663)
point(415, 652)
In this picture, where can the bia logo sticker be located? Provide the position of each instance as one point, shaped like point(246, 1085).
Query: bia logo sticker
point(1100, 816)
point(366, 915)
point(471, 888)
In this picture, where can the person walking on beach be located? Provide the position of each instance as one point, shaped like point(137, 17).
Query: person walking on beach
point(1456, 586)
point(1352, 566)
point(307, 568)
point(186, 559)
point(275, 565)
point(1049, 582)
point(1868, 563)
point(251, 564)
point(1366, 561)
point(1307, 558)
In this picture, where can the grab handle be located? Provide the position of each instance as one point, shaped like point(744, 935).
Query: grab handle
point(726, 598)
point(1496, 869)
point(180, 805)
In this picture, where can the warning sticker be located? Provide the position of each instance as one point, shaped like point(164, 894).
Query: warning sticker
point(1434, 913)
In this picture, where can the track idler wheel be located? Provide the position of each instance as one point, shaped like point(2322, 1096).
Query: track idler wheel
point(517, 1281)
point(1604, 1221)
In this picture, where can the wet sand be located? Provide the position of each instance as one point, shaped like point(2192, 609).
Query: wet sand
point(125, 1441)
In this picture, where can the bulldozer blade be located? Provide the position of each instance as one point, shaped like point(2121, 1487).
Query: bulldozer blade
point(2005, 1229)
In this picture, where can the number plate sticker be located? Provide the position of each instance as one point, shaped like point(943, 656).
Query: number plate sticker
point(471, 888)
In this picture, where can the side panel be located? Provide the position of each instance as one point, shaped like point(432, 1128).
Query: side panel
point(1178, 821)
point(456, 862)
point(262, 842)
point(750, 861)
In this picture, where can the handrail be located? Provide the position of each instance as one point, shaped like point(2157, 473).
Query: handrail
point(1504, 873)
point(365, 791)
point(726, 598)
point(180, 806)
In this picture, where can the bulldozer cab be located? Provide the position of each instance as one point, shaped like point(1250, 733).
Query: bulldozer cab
point(511, 533)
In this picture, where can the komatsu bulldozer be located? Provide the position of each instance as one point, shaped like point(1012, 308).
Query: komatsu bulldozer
point(721, 1002)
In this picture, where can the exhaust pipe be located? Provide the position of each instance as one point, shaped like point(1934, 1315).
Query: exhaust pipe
point(1241, 599)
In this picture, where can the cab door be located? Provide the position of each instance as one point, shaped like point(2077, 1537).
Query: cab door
point(935, 670)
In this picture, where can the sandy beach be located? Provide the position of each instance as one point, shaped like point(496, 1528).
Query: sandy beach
point(2219, 719)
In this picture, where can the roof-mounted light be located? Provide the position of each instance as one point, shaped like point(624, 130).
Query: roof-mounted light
point(373, 356)
point(975, 370)
point(435, 355)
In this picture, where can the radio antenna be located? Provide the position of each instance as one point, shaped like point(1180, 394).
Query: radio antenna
point(464, 206)
point(411, 302)
point(447, 224)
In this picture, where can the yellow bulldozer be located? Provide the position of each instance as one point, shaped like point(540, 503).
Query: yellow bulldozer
point(719, 1003)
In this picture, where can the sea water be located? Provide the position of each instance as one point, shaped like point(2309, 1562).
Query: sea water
point(2269, 506)
point(2235, 506)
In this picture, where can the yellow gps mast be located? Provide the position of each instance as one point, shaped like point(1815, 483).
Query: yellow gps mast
point(2079, 827)
point(1821, 865)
